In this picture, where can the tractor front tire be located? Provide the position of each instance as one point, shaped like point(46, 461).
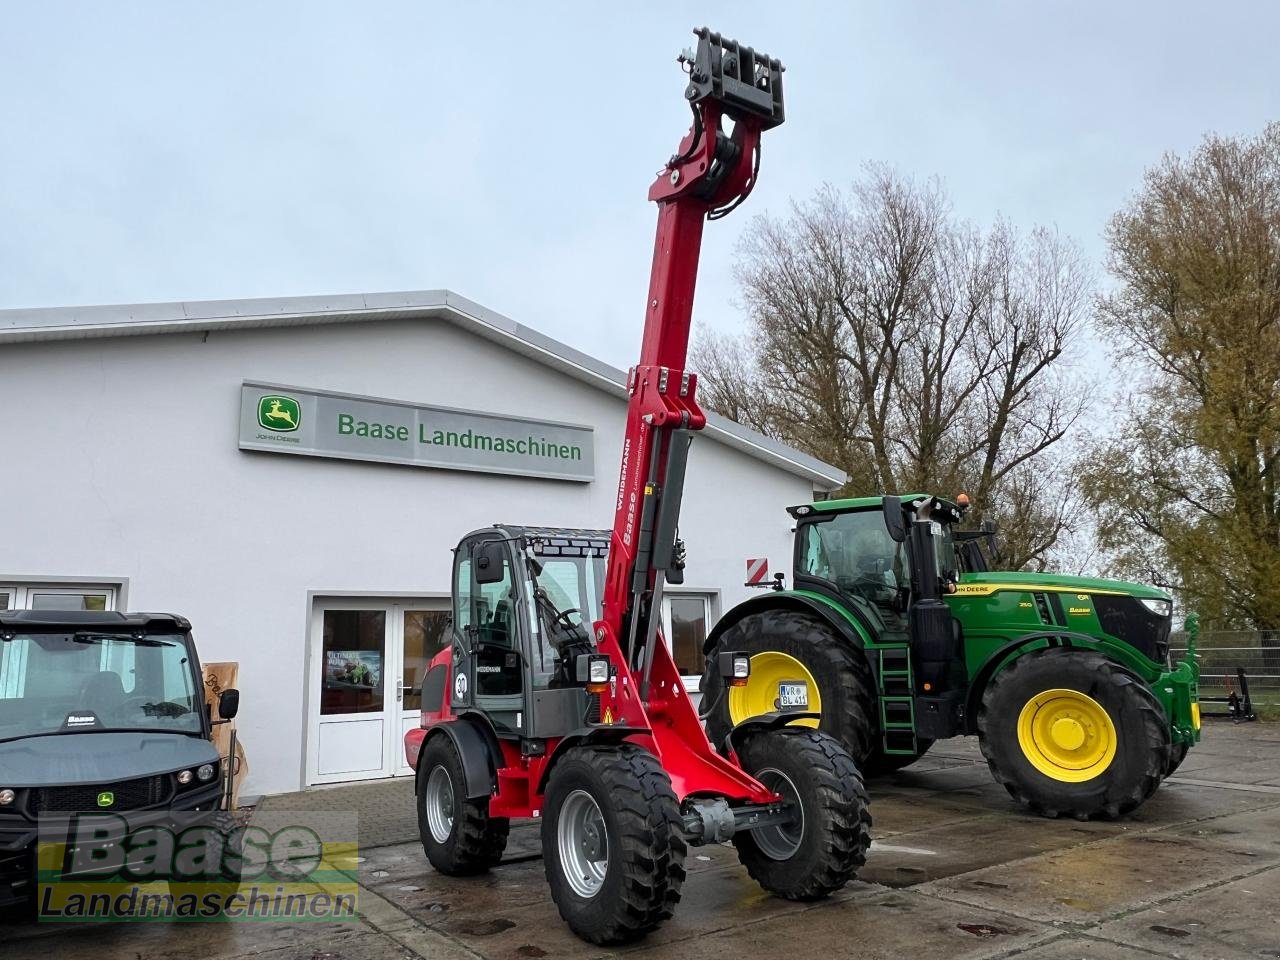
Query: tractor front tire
point(826, 841)
point(612, 844)
point(1072, 733)
point(842, 678)
point(458, 835)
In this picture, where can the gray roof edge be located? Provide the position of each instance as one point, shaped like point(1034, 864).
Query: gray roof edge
point(57, 323)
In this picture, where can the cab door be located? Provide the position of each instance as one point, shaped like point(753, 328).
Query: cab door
point(488, 629)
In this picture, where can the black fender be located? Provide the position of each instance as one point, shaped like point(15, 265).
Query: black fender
point(776, 600)
point(478, 749)
point(762, 723)
point(973, 699)
point(586, 735)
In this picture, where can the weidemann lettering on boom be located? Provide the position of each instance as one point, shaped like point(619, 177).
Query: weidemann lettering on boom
point(529, 446)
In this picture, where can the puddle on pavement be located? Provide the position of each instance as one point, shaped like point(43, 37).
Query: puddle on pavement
point(481, 928)
point(983, 929)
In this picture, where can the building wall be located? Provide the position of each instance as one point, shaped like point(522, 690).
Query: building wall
point(121, 461)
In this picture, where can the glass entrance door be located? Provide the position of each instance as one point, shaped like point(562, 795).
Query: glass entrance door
point(368, 658)
point(424, 633)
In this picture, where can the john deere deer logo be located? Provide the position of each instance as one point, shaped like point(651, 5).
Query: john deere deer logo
point(280, 414)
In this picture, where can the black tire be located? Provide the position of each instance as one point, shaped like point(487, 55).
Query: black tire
point(1142, 734)
point(835, 832)
point(474, 841)
point(1177, 753)
point(643, 842)
point(844, 680)
point(880, 763)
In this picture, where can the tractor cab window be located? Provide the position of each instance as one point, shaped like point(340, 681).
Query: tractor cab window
point(486, 619)
point(944, 546)
point(855, 552)
point(569, 595)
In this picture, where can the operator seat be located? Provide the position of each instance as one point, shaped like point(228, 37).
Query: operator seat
point(103, 693)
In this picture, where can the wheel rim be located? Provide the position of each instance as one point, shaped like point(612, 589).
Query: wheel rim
point(781, 841)
point(1067, 735)
point(584, 844)
point(760, 695)
point(439, 803)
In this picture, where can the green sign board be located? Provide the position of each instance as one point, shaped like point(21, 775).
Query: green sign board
point(320, 423)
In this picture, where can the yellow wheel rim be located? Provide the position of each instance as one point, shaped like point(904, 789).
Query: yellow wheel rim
point(760, 695)
point(1067, 735)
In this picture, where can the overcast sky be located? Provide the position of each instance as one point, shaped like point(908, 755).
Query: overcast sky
point(164, 151)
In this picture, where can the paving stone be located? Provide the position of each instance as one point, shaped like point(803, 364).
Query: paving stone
point(1104, 878)
point(1237, 916)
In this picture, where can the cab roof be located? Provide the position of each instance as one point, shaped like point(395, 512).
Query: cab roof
point(101, 619)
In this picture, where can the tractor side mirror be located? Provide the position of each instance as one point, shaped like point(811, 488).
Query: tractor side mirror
point(229, 703)
point(489, 562)
point(893, 519)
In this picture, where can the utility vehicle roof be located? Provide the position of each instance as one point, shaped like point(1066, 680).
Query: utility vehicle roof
point(100, 619)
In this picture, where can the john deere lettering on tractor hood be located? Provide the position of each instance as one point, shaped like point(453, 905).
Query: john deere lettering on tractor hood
point(899, 634)
point(531, 712)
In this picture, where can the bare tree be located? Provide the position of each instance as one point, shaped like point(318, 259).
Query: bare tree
point(914, 351)
point(1188, 492)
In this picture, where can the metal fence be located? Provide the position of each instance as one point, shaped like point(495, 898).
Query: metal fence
point(1224, 652)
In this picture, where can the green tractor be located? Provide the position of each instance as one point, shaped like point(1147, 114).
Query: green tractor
point(898, 634)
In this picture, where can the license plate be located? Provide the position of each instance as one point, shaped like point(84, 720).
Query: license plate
point(793, 695)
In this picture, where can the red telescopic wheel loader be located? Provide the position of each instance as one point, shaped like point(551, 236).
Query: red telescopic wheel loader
point(558, 698)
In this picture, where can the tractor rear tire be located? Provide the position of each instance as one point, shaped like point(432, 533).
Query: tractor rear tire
point(1122, 756)
point(1177, 753)
point(816, 856)
point(612, 842)
point(880, 763)
point(841, 674)
point(458, 835)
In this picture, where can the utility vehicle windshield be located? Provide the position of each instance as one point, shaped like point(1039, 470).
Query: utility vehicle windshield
point(855, 552)
point(90, 682)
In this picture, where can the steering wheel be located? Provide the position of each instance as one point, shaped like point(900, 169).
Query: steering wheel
point(563, 615)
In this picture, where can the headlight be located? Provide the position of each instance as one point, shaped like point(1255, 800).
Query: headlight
point(205, 772)
point(1161, 608)
point(184, 777)
point(735, 667)
point(7, 797)
point(599, 670)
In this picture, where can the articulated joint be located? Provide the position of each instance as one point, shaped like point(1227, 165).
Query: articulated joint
point(714, 821)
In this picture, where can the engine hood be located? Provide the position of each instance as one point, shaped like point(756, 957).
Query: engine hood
point(67, 759)
point(981, 583)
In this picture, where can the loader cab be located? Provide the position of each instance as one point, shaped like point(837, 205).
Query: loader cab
point(524, 601)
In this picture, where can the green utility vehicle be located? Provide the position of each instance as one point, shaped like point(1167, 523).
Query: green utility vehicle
point(899, 633)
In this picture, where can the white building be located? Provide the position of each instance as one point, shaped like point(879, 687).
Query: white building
point(208, 459)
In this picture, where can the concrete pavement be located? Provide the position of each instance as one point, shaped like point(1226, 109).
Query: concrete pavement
point(956, 871)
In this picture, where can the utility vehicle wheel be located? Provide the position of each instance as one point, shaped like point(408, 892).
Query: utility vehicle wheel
point(1073, 733)
point(826, 841)
point(611, 842)
point(801, 651)
point(458, 834)
point(881, 763)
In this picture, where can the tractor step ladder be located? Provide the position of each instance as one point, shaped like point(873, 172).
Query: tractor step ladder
point(895, 687)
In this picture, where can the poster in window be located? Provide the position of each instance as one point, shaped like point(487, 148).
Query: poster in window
point(353, 668)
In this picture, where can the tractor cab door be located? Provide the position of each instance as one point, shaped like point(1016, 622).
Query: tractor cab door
point(488, 666)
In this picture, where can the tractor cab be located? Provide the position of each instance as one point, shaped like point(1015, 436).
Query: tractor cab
point(524, 600)
point(872, 554)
